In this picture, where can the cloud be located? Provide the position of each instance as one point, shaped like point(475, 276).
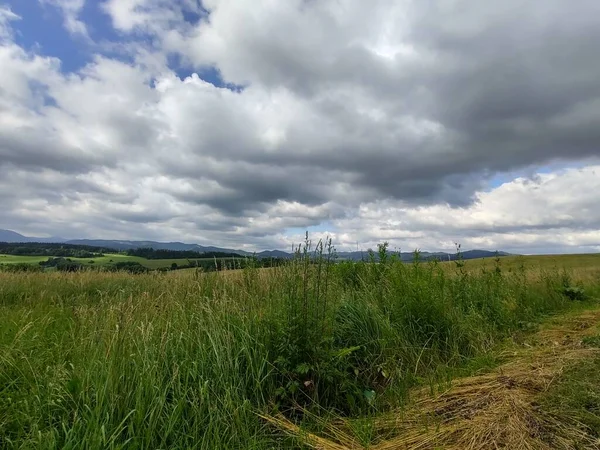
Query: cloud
point(370, 122)
point(545, 211)
point(6, 16)
point(70, 10)
point(151, 16)
point(495, 92)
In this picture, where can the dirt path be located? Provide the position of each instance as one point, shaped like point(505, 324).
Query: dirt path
point(490, 411)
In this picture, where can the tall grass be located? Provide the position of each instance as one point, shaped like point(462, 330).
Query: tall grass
point(105, 360)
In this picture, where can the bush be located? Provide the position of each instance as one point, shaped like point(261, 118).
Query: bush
point(132, 267)
point(62, 264)
point(20, 267)
point(574, 293)
point(568, 290)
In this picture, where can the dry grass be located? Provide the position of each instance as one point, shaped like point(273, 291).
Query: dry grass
point(583, 268)
point(544, 262)
point(495, 410)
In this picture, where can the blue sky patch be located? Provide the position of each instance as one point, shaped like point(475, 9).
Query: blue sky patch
point(41, 28)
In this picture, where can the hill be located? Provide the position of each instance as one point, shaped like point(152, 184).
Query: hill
point(123, 245)
point(14, 237)
point(442, 256)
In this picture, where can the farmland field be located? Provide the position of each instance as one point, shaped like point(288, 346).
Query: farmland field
point(108, 258)
point(307, 355)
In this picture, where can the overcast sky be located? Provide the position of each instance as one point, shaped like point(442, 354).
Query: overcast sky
point(243, 123)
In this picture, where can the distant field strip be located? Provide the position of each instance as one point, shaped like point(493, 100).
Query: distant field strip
point(108, 258)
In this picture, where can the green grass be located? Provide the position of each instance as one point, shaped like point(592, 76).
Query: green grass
point(15, 259)
point(112, 360)
point(108, 258)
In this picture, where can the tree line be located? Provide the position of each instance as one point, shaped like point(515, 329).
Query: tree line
point(53, 249)
point(63, 264)
point(152, 253)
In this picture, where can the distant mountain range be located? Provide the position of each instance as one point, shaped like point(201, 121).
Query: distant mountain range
point(12, 237)
point(442, 256)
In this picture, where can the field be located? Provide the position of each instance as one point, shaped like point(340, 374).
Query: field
point(582, 262)
point(309, 355)
point(579, 263)
point(108, 258)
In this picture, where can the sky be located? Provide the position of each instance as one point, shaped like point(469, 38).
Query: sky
point(244, 123)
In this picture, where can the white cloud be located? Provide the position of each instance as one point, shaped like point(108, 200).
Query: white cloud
point(70, 10)
point(545, 212)
point(6, 16)
point(153, 16)
point(127, 14)
point(282, 43)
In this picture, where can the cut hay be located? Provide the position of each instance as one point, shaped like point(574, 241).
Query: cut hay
point(495, 410)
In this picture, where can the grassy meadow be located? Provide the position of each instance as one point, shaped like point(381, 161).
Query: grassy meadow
point(121, 361)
